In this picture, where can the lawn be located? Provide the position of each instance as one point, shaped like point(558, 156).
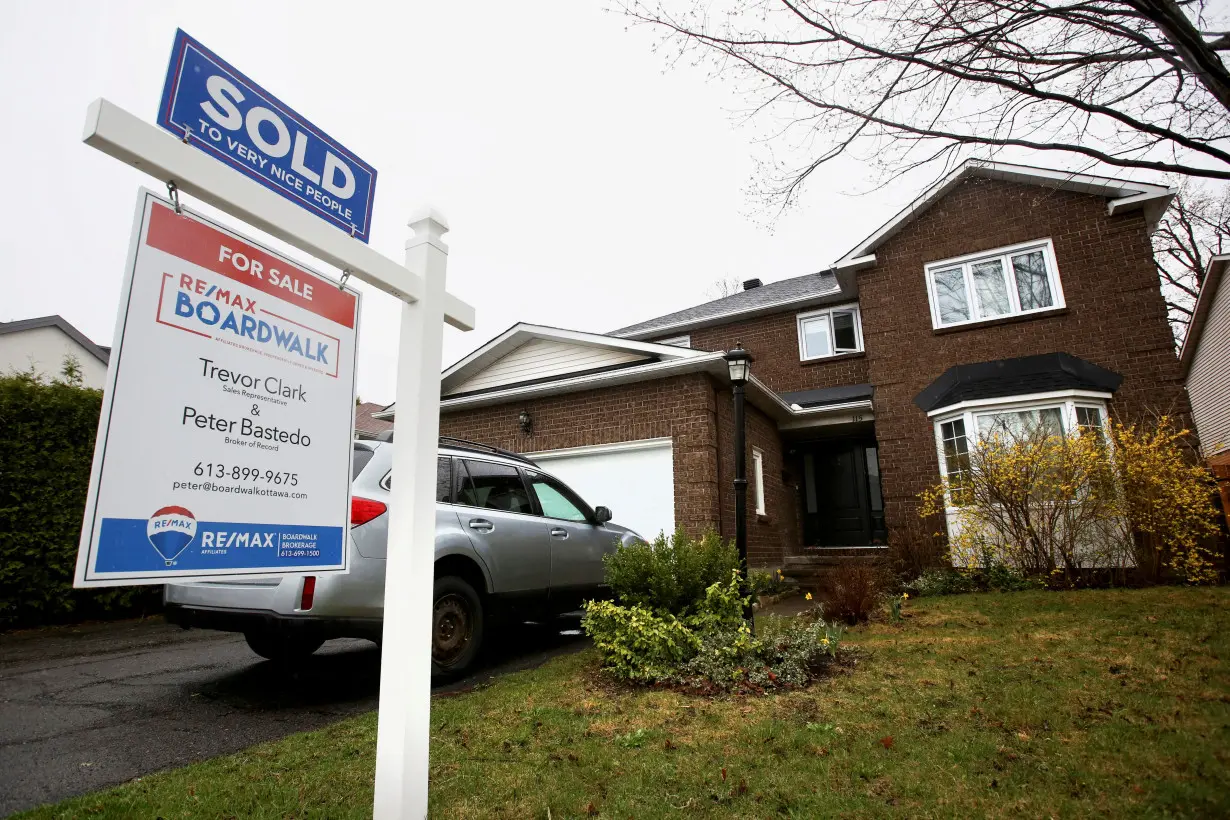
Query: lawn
point(1111, 703)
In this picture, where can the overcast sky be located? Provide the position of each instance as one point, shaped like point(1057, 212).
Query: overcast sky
point(588, 185)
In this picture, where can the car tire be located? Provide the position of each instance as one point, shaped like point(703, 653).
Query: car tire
point(282, 647)
point(457, 626)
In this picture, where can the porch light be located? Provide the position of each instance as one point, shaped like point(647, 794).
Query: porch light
point(740, 363)
point(526, 422)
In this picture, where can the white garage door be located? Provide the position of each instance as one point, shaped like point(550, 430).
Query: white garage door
point(636, 479)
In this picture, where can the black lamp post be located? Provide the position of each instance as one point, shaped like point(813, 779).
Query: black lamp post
point(739, 361)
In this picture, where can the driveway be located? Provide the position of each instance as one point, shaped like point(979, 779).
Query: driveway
point(84, 708)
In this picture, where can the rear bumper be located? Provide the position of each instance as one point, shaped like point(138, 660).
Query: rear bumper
point(263, 620)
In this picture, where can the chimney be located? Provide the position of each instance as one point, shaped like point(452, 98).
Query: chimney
point(751, 283)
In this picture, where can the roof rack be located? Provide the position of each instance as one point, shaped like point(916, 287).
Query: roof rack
point(472, 446)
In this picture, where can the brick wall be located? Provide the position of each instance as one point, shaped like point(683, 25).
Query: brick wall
point(680, 407)
point(1114, 316)
point(773, 342)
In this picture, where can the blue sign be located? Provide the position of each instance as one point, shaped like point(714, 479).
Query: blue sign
point(213, 106)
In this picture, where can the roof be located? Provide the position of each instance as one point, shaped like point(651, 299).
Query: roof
point(1213, 275)
point(364, 423)
point(1014, 377)
point(807, 289)
point(1124, 196)
point(804, 399)
point(103, 354)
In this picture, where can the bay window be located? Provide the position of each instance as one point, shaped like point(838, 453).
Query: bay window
point(1011, 281)
point(829, 332)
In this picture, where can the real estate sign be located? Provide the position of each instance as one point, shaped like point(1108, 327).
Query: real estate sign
point(212, 106)
point(225, 438)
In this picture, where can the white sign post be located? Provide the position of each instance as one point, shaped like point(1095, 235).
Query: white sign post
point(405, 698)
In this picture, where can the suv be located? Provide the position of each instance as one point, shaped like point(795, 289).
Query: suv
point(513, 544)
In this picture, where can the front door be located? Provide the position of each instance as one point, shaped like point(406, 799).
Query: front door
point(842, 505)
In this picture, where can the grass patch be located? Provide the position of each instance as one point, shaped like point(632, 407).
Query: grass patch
point(1111, 703)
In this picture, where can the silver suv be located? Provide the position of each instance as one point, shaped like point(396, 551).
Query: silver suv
point(513, 544)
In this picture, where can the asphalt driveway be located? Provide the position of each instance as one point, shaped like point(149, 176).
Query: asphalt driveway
point(83, 708)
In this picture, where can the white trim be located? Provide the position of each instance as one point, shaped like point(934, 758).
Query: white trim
point(676, 341)
point(851, 307)
point(966, 262)
point(758, 479)
point(598, 449)
point(1020, 398)
point(1029, 175)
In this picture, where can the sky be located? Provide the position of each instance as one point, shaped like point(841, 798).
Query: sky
point(588, 183)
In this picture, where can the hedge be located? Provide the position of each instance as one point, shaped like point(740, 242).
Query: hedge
point(46, 446)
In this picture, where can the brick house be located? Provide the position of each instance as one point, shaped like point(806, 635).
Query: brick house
point(1004, 295)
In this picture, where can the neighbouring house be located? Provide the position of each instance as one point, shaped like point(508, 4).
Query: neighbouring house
point(366, 426)
point(1205, 361)
point(1003, 295)
point(42, 344)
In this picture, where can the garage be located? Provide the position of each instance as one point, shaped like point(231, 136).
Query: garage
point(635, 479)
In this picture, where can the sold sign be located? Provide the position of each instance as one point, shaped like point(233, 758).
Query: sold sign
point(208, 103)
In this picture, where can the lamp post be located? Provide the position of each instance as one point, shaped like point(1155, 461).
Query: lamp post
point(739, 361)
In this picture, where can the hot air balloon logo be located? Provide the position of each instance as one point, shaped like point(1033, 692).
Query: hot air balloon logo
point(171, 530)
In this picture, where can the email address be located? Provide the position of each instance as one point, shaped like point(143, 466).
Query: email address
point(236, 489)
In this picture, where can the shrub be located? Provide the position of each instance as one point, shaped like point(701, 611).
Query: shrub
point(46, 448)
point(993, 578)
point(766, 582)
point(671, 574)
point(855, 591)
point(787, 652)
point(637, 644)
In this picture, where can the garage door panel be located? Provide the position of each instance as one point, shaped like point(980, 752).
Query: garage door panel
point(635, 479)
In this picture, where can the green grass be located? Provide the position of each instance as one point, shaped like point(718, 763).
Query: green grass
point(1108, 703)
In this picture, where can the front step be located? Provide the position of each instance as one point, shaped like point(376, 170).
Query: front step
point(816, 568)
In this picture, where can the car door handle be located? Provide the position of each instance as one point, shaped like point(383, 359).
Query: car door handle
point(559, 532)
point(481, 524)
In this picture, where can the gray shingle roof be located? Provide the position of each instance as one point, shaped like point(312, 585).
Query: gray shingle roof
point(103, 354)
point(811, 287)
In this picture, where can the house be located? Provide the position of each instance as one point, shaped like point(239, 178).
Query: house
point(1205, 362)
point(1004, 295)
point(42, 344)
point(366, 426)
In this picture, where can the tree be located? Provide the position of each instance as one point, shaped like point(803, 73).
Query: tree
point(1137, 84)
point(1195, 228)
point(721, 288)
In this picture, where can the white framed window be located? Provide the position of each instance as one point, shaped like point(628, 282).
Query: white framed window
point(758, 479)
point(830, 332)
point(677, 341)
point(958, 429)
point(1011, 281)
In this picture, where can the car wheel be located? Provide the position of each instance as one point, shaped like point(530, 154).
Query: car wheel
point(283, 647)
point(456, 626)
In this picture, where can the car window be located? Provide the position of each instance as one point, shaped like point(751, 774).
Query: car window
point(556, 500)
point(493, 487)
point(362, 455)
point(444, 480)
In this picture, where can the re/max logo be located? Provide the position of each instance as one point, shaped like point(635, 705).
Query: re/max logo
point(223, 539)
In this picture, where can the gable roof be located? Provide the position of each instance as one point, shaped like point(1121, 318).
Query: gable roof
point(811, 288)
point(1213, 274)
point(1123, 196)
point(1015, 377)
point(103, 354)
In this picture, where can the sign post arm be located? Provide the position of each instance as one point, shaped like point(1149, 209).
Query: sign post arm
point(403, 734)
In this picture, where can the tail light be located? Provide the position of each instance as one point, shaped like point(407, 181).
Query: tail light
point(309, 592)
point(363, 510)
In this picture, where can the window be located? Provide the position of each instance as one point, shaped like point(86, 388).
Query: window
point(1006, 282)
point(758, 479)
point(1010, 419)
point(556, 500)
point(677, 341)
point(830, 332)
point(359, 460)
point(493, 487)
point(444, 480)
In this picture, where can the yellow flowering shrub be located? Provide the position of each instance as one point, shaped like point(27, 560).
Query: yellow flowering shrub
point(1050, 504)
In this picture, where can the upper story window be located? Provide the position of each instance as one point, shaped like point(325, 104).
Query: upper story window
point(830, 332)
point(1010, 281)
point(677, 341)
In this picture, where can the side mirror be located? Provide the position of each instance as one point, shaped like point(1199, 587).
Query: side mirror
point(602, 514)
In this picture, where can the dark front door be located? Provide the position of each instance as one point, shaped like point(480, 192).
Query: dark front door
point(842, 505)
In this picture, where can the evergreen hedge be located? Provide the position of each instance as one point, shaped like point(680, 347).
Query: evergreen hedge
point(46, 446)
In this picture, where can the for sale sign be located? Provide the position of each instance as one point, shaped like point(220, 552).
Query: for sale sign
point(225, 438)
